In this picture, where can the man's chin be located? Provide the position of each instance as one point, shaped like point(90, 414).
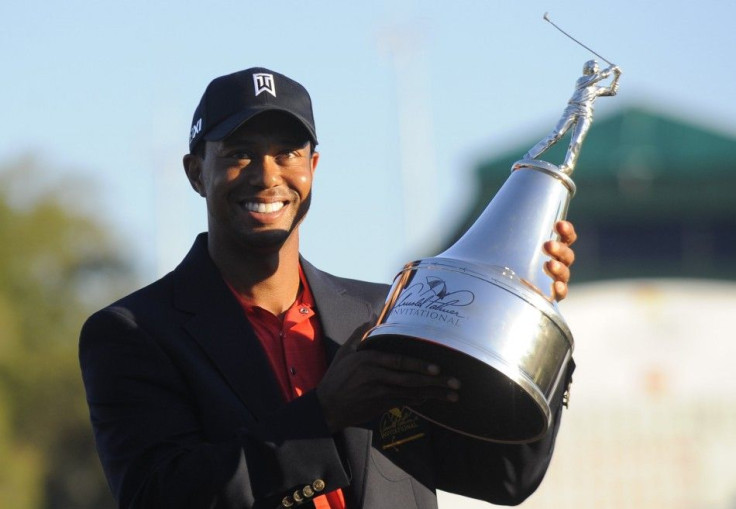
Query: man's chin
point(266, 241)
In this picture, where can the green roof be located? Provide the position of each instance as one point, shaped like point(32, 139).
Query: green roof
point(635, 164)
point(636, 140)
point(656, 196)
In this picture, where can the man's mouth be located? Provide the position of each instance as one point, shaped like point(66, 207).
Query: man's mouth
point(263, 208)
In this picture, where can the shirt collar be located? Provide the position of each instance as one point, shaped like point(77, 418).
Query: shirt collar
point(304, 297)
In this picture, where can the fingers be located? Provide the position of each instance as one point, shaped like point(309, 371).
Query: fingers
point(561, 275)
point(396, 362)
point(559, 290)
point(405, 376)
point(558, 271)
point(560, 249)
point(361, 385)
point(396, 371)
point(419, 396)
point(562, 258)
point(560, 252)
point(567, 232)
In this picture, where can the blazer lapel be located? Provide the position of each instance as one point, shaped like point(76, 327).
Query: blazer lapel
point(220, 327)
point(340, 315)
point(218, 324)
point(339, 312)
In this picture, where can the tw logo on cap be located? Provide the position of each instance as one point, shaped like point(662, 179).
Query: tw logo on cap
point(264, 83)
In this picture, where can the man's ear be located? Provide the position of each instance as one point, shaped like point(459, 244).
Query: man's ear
point(193, 169)
point(315, 160)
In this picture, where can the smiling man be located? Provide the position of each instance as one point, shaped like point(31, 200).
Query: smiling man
point(234, 381)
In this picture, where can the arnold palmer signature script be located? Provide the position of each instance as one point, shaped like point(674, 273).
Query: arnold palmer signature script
point(434, 296)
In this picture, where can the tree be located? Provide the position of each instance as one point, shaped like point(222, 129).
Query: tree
point(52, 255)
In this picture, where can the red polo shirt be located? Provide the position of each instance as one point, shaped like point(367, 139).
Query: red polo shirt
point(295, 351)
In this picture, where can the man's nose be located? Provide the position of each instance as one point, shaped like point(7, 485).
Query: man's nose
point(265, 174)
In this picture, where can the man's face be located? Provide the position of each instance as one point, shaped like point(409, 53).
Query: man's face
point(257, 181)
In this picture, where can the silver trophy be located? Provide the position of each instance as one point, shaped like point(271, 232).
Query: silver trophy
point(483, 309)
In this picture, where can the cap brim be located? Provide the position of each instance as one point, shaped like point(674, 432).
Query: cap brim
point(233, 122)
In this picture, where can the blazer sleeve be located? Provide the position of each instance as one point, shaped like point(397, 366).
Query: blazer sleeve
point(504, 474)
point(151, 442)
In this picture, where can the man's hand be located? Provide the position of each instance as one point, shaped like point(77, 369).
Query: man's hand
point(562, 257)
point(361, 385)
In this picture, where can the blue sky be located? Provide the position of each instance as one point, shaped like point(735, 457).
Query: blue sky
point(409, 95)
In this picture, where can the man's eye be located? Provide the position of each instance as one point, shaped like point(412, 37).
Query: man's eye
point(240, 154)
point(289, 155)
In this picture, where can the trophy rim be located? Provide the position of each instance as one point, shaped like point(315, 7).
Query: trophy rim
point(548, 168)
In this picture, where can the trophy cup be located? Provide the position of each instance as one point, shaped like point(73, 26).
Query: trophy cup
point(483, 309)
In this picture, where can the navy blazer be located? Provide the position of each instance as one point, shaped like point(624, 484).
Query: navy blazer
point(187, 413)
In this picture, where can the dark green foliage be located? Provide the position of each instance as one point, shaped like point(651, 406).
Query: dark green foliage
point(55, 261)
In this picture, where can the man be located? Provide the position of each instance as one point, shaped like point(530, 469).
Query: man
point(579, 113)
point(234, 381)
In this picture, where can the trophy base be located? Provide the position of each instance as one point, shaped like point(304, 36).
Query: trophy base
point(492, 407)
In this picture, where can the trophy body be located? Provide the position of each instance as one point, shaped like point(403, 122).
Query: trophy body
point(482, 311)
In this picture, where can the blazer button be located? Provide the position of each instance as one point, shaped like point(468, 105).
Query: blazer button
point(307, 491)
point(318, 485)
point(287, 502)
point(298, 498)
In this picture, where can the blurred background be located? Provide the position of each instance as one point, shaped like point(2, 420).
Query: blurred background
point(421, 108)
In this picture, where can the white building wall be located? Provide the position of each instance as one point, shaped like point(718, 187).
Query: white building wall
point(652, 417)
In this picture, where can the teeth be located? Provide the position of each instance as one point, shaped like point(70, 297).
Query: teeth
point(264, 208)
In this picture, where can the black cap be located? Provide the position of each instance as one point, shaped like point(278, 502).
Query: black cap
point(230, 101)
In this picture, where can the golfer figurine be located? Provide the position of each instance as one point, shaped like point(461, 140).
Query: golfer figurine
point(579, 113)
